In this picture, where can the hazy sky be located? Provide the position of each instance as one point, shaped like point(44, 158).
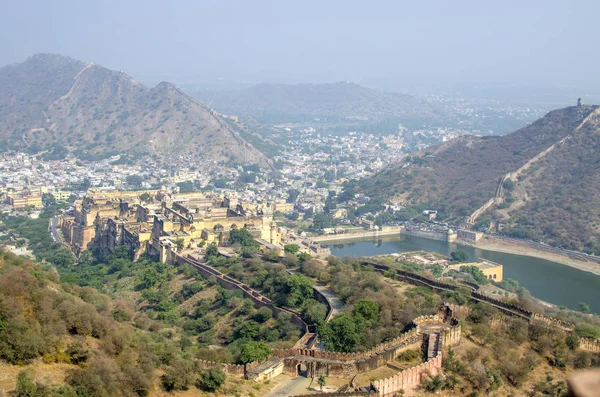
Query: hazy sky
point(378, 42)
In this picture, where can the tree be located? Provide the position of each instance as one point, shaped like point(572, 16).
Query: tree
point(572, 342)
point(242, 237)
point(459, 255)
point(367, 309)
point(247, 330)
point(314, 312)
point(321, 382)
point(583, 307)
point(134, 180)
point(291, 248)
point(179, 243)
point(293, 195)
point(299, 289)
point(322, 221)
point(476, 272)
point(340, 334)
point(308, 213)
point(85, 258)
point(212, 379)
point(146, 197)
point(211, 251)
point(78, 353)
point(254, 351)
point(508, 184)
point(293, 216)
point(150, 277)
point(588, 331)
point(436, 270)
point(85, 184)
point(263, 314)
point(272, 255)
point(179, 376)
point(303, 257)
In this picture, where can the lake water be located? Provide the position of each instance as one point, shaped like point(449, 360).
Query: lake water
point(546, 280)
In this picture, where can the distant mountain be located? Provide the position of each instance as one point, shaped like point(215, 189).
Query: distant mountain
point(542, 181)
point(51, 100)
point(280, 102)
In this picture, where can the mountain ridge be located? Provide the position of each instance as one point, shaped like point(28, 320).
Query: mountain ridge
point(96, 111)
point(335, 100)
point(546, 198)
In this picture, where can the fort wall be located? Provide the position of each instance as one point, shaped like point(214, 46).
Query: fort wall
point(231, 284)
point(590, 344)
point(345, 365)
point(412, 377)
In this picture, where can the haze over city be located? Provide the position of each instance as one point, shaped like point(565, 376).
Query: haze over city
point(393, 45)
point(291, 199)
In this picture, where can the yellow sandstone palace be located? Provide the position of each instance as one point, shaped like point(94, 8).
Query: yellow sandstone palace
point(156, 221)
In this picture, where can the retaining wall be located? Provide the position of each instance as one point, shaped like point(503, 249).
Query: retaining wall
point(441, 236)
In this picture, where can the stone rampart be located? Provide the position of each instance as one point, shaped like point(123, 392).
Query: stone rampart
point(231, 284)
point(412, 377)
point(349, 356)
point(451, 336)
point(317, 363)
point(590, 344)
point(230, 369)
point(416, 279)
point(553, 321)
point(507, 308)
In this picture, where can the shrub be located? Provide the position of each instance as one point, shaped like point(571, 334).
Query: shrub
point(179, 376)
point(26, 386)
point(212, 379)
point(263, 314)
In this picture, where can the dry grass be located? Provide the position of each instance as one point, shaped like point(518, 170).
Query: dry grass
point(49, 374)
point(366, 378)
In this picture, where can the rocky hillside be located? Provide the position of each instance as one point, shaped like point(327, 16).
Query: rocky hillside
point(53, 101)
point(551, 172)
point(272, 102)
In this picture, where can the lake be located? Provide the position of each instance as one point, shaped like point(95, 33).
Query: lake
point(550, 281)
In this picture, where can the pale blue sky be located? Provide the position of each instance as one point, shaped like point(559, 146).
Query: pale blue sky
point(378, 42)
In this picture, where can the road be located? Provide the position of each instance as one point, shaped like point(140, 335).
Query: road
point(290, 386)
point(336, 303)
point(53, 229)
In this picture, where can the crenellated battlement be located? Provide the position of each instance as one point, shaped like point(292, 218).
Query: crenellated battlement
point(590, 344)
point(407, 337)
point(412, 377)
